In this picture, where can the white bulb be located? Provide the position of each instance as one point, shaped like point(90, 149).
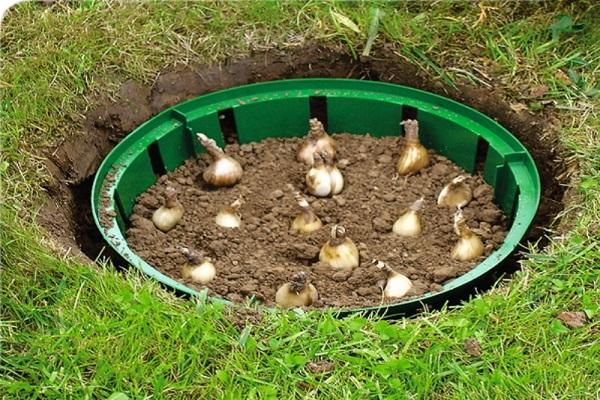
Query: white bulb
point(227, 219)
point(317, 141)
point(339, 252)
point(456, 193)
point(344, 257)
point(203, 273)
point(165, 218)
point(413, 155)
point(408, 224)
point(468, 248)
point(304, 223)
point(469, 245)
point(337, 180)
point(225, 170)
point(397, 286)
point(318, 181)
point(168, 215)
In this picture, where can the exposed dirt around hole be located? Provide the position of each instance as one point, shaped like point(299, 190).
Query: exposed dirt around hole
point(72, 164)
point(263, 254)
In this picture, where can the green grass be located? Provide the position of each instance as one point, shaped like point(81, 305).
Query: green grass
point(73, 331)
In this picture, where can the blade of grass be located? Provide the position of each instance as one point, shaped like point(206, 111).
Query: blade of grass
point(377, 15)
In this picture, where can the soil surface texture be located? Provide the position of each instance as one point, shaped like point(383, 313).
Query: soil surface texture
point(260, 256)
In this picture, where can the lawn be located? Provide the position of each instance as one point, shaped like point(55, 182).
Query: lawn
point(74, 330)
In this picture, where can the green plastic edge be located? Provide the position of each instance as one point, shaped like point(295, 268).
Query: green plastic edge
point(518, 159)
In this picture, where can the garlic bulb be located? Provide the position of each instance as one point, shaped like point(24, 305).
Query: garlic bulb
point(199, 269)
point(340, 252)
point(224, 170)
point(324, 178)
point(455, 194)
point(469, 245)
point(296, 293)
point(397, 285)
point(307, 221)
point(168, 215)
point(317, 141)
point(409, 223)
point(413, 155)
point(228, 216)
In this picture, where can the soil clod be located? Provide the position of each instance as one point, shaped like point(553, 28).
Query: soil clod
point(573, 319)
point(472, 347)
point(320, 367)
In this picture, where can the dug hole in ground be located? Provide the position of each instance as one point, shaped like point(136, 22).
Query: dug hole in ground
point(74, 163)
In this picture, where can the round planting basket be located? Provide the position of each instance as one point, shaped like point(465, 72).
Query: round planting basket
point(282, 108)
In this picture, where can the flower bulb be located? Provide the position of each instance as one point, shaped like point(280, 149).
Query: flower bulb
point(317, 141)
point(228, 216)
point(413, 155)
point(469, 245)
point(168, 215)
point(409, 223)
point(224, 170)
point(296, 293)
point(397, 285)
point(306, 221)
point(340, 252)
point(456, 193)
point(199, 269)
point(324, 178)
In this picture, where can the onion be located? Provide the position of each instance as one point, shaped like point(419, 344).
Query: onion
point(296, 293)
point(409, 223)
point(199, 269)
point(469, 245)
point(168, 215)
point(340, 252)
point(413, 155)
point(317, 141)
point(224, 170)
point(228, 216)
point(455, 194)
point(307, 221)
point(397, 285)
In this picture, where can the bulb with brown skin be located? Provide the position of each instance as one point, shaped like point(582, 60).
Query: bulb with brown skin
point(396, 285)
point(414, 155)
point(297, 292)
point(224, 170)
point(339, 252)
point(307, 221)
point(167, 216)
point(229, 217)
point(198, 269)
point(456, 193)
point(409, 223)
point(317, 141)
point(469, 246)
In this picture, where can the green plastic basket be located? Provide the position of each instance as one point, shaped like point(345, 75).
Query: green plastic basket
point(283, 108)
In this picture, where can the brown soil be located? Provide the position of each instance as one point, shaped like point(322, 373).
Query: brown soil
point(73, 163)
point(263, 254)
